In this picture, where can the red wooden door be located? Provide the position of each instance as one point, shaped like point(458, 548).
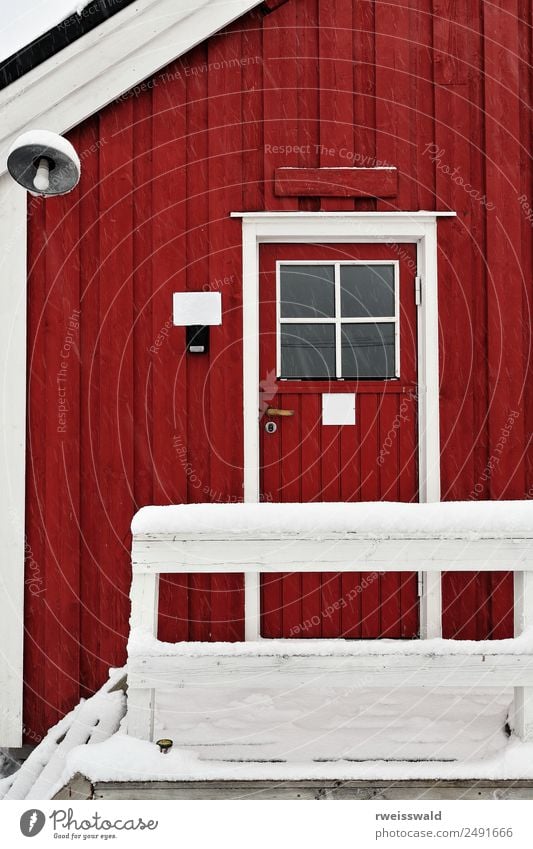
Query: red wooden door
point(338, 319)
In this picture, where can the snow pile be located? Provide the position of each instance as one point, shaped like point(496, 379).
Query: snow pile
point(92, 721)
point(495, 519)
point(122, 757)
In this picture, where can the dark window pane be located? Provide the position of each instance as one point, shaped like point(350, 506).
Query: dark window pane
point(368, 350)
point(308, 350)
point(307, 291)
point(367, 290)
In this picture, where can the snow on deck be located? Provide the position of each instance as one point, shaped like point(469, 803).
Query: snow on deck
point(251, 733)
point(495, 519)
point(331, 734)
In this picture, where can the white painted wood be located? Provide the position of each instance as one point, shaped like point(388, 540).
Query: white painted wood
point(523, 696)
point(430, 602)
point(346, 552)
point(291, 671)
point(250, 318)
point(141, 708)
point(523, 712)
point(390, 228)
point(310, 227)
point(418, 291)
point(523, 603)
point(412, 215)
point(12, 457)
point(252, 606)
point(314, 663)
point(144, 596)
point(428, 367)
point(428, 414)
point(112, 59)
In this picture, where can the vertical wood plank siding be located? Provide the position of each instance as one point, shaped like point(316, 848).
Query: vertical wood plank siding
point(441, 89)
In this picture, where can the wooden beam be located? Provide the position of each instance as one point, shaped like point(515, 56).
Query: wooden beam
point(301, 790)
point(336, 182)
point(252, 606)
point(330, 553)
point(13, 211)
point(279, 670)
point(431, 605)
point(523, 696)
point(144, 614)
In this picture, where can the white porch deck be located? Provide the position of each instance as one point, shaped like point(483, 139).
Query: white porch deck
point(316, 537)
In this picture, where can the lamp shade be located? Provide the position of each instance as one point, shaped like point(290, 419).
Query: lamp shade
point(44, 163)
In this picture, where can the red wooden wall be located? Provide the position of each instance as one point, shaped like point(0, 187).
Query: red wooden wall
point(119, 417)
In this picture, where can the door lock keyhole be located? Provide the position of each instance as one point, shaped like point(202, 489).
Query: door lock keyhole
point(271, 427)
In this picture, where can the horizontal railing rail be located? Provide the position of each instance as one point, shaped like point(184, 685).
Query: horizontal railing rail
point(332, 553)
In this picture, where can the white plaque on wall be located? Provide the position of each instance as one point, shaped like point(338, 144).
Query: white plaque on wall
point(338, 408)
point(192, 308)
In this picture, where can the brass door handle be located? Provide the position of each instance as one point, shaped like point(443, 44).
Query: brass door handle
point(273, 411)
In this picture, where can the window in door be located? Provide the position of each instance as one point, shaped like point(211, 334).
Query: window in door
point(338, 320)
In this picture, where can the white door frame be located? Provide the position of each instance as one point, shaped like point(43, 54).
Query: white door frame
point(348, 227)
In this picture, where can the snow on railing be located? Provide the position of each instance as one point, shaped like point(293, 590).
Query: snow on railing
point(261, 538)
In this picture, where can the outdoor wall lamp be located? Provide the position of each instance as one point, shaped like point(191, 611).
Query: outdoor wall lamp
point(44, 163)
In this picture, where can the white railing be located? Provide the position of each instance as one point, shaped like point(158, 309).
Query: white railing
point(237, 539)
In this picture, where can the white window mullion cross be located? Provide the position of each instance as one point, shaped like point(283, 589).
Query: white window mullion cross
point(337, 319)
point(338, 338)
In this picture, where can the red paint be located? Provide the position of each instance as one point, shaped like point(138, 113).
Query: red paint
point(270, 5)
point(336, 182)
point(358, 85)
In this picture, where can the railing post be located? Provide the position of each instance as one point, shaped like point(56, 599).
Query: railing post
point(144, 609)
point(429, 415)
point(252, 606)
point(430, 600)
point(522, 719)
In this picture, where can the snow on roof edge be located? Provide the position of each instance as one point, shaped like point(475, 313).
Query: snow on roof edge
point(27, 34)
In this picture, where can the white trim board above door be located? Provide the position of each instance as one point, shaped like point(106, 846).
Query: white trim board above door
point(329, 227)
